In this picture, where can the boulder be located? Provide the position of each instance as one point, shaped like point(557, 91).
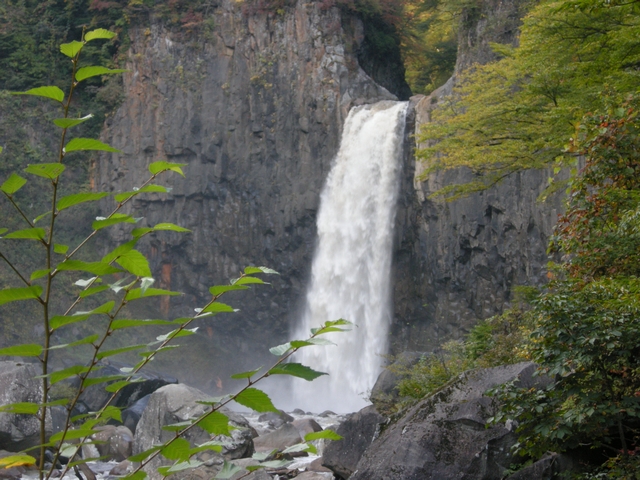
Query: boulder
point(275, 419)
point(306, 425)
point(445, 436)
point(285, 436)
point(315, 476)
point(131, 416)
point(359, 430)
point(114, 443)
point(177, 403)
point(17, 384)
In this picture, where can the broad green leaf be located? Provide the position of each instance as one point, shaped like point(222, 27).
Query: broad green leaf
point(88, 72)
point(71, 49)
point(212, 445)
point(26, 408)
point(28, 233)
point(125, 323)
point(99, 33)
point(135, 263)
point(177, 333)
point(298, 447)
point(151, 292)
point(117, 351)
point(158, 167)
point(86, 282)
point(93, 290)
point(248, 281)
point(49, 92)
point(114, 387)
point(217, 307)
point(255, 400)
point(82, 341)
point(178, 449)
point(215, 423)
point(311, 341)
point(12, 184)
point(296, 370)
point(39, 274)
point(220, 289)
point(3, 230)
point(114, 219)
point(179, 467)
point(62, 320)
point(252, 270)
point(139, 457)
point(328, 434)
point(119, 250)
point(228, 470)
point(81, 144)
point(332, 326)
point(63, 374)
point(15, 294)
point(60, 249)
point(176, 427)
point(40, 217)
point(72, 434)
point(71, 122)
point(96, 268)
point(46, 170)
point(121, 197)
point(248, 374)
point(280, 349)
point(170, 227)
point(17, 461)
point(77, 198)
point(97, 380)
point(25, 350)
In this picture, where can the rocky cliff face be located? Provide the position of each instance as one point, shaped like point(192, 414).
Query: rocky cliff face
point(255, 110)
point(458, 262)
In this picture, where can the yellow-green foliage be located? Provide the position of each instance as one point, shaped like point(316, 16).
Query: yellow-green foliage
point(519, 112)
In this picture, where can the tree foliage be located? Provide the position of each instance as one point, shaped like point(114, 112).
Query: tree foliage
point(574, 57)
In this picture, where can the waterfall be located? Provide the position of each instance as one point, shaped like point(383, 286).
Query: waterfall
point(351, 270)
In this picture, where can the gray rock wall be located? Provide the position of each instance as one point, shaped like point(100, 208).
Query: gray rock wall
point(255, 109)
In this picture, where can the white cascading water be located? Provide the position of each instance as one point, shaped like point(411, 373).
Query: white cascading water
point(351, 271)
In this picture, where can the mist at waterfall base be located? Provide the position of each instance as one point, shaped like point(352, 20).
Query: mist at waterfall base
point(351, 271)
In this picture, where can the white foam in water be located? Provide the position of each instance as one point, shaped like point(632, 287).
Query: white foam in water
point(352, 264)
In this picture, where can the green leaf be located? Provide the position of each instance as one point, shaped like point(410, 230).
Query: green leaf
point(158, 167)
point(178, 449)
point(78, 198)
point(179, 467)
point(71, 122)
point(39, 274)
point(12, 184)
point(121, 197)
point(71, 49)
point(296, 370)
point(26, 408)
point(96, 268)
point(139, 457)
point(311, 341)
point(72, 434)
point(46, 170)
point(136, 293)
point(60, 249)
point(62, 320)
point(93, 290)
point(49, 92)
point(99, 33)
point(114, 219)
point(248, 374)
point(98, 380)
point(85, 144)
point(135, 263)
point(125, 323)
point(217, 307)
point(119, 250)
point(25, 350)
point(114, 387)
point(228, 470)
point(88, 72)
point(176, 334)
point(63, 374)
point(248, 281)
point(170, 227)
point(3, 230)
point(298, 447)
point(215, 423)
point(40, 217)
point(16, 294)
point(255, 400)
point(17, 461)
point(328, 434)
point(28, 233)
point(280, 349)
point(252, 270)
point(220, 289)
point(117, 351)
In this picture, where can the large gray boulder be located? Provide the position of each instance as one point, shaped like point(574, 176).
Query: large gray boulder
point(358, 431)
point(178, 403)
point(445, 435)
point(17, 384)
